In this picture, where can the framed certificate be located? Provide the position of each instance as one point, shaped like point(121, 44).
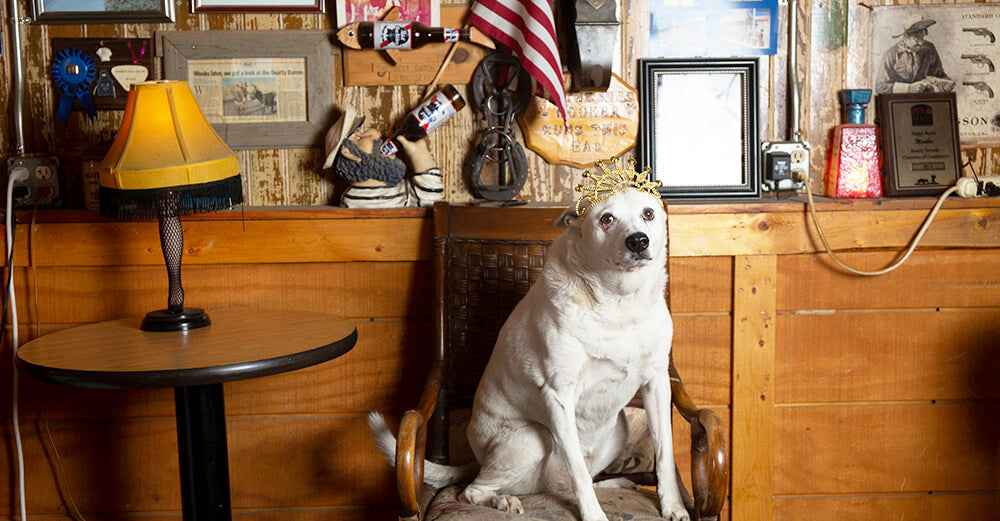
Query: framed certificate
point(918, 136)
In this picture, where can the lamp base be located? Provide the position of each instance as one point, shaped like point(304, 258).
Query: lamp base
point(164, 320)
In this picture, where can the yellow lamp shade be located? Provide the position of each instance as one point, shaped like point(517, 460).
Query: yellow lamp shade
point(165, 143)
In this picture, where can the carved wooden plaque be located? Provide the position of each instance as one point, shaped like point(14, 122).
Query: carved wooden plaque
point(602, 125)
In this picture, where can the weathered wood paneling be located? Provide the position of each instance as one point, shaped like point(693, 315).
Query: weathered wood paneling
point(832, 54)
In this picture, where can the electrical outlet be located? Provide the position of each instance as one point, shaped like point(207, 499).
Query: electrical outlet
point(981, 186)
point(798, 152)
point(40, 183)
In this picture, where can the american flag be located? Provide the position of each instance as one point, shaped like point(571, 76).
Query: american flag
point(527, 27)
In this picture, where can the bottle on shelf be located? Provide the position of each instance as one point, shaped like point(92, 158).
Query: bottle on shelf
point(854, 162)
point(421, 121)
point(90, 170)
point(405, 35)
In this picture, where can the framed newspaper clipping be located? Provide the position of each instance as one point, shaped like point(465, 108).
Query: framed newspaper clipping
point(283, 100)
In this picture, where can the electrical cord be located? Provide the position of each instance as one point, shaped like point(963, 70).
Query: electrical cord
point(913, 242)
point(14, 177)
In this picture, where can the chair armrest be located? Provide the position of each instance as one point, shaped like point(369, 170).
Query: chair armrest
point(411, 446)
point(709, 457)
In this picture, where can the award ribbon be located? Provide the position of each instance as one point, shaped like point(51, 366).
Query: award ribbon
point(73, 72)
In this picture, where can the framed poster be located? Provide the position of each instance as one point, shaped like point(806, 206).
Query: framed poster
point(101, 11)
point(698, 126)
point(276, 93)
point(918, 136)
point(942, 48)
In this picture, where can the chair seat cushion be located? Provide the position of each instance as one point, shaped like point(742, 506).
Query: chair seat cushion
point(618, 503)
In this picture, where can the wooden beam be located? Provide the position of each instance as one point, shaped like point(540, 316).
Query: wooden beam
point(754, 315)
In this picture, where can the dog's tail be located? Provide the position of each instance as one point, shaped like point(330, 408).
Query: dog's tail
point(435, 475)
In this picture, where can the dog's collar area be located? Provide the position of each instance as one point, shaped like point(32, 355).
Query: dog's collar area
point(613, 181)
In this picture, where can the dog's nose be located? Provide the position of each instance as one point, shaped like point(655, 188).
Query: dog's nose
point(637, 242)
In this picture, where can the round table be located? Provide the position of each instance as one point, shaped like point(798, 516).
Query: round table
point(239, 344)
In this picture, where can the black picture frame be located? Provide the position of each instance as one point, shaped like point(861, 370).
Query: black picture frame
point(698, 126)
point(918, 141)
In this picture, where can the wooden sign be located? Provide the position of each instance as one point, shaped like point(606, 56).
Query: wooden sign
point(602, 125)
point(371, 67)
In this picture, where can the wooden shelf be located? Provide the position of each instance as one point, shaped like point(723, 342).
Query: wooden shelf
point(329, 234)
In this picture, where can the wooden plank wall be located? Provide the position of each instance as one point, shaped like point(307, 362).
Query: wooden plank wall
point(886, 389)
point(880, 395)
point(280, 177)
point(852, 397)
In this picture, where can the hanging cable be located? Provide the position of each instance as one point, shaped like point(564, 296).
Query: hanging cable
point(16, 175)
point(913, 243)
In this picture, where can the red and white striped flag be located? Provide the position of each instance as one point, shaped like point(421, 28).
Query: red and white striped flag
point(527, 27)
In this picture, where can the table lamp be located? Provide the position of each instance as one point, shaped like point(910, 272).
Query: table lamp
point(167, 161)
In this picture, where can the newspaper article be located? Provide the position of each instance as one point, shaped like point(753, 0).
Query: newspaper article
point(922, 48)
point(250, 90)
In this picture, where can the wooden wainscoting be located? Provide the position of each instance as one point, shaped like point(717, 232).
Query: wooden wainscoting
point(299, 444)
point(849, 398)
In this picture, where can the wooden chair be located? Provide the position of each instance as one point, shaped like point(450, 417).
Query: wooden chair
point(485, 259)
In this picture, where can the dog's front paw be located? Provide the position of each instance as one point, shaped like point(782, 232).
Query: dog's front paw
point(505, 503)
point(675, 512)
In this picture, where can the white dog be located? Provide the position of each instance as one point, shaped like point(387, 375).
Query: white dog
point(594, 329)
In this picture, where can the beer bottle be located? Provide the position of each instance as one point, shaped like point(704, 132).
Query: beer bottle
point(405, 35)
point(425, 118)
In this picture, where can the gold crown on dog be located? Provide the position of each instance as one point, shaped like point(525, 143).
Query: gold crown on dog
point(612, 182)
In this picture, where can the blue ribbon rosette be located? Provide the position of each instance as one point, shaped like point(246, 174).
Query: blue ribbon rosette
point(73, 72)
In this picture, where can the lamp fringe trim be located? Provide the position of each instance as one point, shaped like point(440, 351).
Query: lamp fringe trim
point(143, 205)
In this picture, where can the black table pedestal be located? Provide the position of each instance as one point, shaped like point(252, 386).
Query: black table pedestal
point(204, 455)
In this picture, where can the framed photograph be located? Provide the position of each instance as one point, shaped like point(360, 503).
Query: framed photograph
point(283, 99)
point(698, 126)
point(101, 11)
point(427, 12)
point(918, 136)
point(285, 6)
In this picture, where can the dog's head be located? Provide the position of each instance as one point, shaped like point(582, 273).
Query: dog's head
point(626, 231)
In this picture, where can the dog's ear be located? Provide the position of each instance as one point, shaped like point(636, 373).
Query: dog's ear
point(568, 219)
